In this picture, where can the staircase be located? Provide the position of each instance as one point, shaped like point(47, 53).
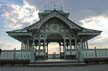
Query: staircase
point(57, 62)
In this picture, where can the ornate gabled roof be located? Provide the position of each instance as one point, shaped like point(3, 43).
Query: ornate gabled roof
point(46, 12)
point(56, 14)
point(85, 30)
point(20, 30)
point(89, 33)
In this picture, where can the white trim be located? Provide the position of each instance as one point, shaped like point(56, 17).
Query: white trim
point(96, 33)
point(54, 14)
point(19, 34)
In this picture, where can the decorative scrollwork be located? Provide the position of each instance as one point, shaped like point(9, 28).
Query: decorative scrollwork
point(54, 27)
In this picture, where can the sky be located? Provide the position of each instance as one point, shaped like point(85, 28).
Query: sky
point(15, 14)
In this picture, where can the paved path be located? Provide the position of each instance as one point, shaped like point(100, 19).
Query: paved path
point(103, 67)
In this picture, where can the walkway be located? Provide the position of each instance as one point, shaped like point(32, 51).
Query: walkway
point(103, 67)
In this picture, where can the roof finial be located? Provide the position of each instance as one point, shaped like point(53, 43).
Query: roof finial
point(54, 5)
point(62, 8)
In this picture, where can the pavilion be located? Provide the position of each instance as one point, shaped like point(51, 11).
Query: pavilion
point(54, 26)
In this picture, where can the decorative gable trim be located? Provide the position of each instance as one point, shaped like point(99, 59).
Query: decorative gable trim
point(54, 13)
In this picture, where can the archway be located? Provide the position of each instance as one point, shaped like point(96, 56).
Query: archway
point(54, 49)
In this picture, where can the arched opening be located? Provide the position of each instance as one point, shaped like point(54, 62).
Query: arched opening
point(54, 48)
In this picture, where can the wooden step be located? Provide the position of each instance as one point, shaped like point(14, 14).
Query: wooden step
point(50, 63)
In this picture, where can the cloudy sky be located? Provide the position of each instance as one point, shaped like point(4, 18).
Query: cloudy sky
point(16, 14)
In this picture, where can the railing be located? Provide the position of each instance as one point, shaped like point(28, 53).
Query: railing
point(95, 53)
point(27, 55)
point(11, 55)
point(70, 52)
point(19, 55)
point(40, 52)
point(53, 56)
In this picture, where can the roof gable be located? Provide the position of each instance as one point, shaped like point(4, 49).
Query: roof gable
point(55, 13)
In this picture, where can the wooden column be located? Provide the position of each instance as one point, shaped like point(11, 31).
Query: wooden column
point(14, 55)
point(39, 43)
point(81, 44)
point(64, 49)
point(25, 45)
point(28, 44)
point(81, 47)
point(22, 48)
point(70, 46)
point(67, 45)
point(85, 47)
point(44, 49)
point(37, 49)
point(33, 44)
point(76, 49)
point(60, 47)
point(47, 49)
point(87, 44)
point(33, 51)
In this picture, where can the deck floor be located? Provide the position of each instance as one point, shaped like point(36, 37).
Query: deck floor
point(102, 67)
